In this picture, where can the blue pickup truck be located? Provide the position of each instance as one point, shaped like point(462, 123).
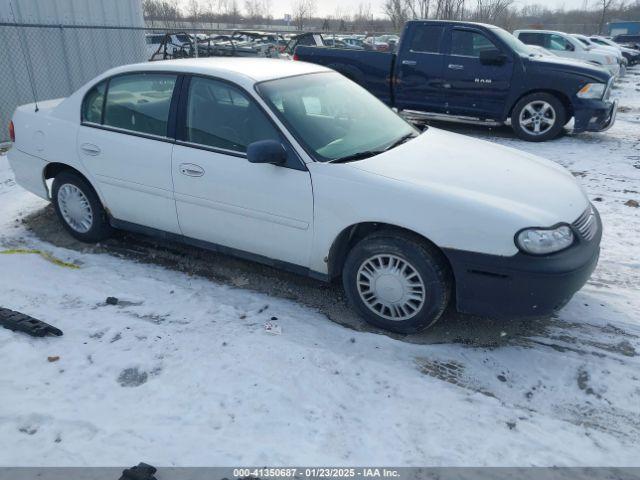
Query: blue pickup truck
point(476, 73)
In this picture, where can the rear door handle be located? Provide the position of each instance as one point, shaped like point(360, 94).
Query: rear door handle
point(409, 62)
point(191, 170)
point(455, 66)
point(90, 149)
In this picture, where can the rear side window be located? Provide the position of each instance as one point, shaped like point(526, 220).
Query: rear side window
point(140, 102)
point(220, 115)
point(532, 38)
point(469, 44)
point(92, 104)
point(427, 39)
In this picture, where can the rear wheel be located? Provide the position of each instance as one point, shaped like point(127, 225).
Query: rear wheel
point(538, 117)
point(79, 208)
point(397, 282)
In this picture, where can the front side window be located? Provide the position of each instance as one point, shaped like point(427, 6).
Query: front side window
point(469, 44)
point(332, 117)
point(427, 39)
point(220, 115)
point(140, 102)
point(556, 42)
point(92, 104)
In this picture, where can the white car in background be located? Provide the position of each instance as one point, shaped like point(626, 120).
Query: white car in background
point(612, 50)
point(565, 45)
point(294, 165)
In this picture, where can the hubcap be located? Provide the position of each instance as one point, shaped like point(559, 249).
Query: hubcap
point(75, 208)
point(537, 118)
point(391, 287)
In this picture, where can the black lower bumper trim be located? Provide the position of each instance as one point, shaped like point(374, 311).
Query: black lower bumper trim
point(522, 285)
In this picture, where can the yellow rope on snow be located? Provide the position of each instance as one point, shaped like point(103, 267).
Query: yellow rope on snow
point(45, 255)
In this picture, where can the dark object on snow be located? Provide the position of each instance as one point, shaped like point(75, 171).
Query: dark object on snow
point(19, 322)
point(142, 471)
point(112, 301)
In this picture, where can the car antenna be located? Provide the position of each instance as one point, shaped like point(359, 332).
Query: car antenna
point(27, 65)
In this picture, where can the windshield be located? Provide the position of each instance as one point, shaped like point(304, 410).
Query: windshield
point(332, 117)
point(513, 42)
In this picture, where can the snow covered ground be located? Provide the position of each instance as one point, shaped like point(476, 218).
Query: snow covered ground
point(182, 372)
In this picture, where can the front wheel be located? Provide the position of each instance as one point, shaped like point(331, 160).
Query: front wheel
point(397, 282)
point(538, 117)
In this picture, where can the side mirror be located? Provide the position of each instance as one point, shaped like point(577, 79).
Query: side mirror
point(492, 57)
point(267, 151)
point(569, 47)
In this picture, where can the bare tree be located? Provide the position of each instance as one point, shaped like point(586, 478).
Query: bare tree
point(194, 10)
point(363, 18)
point(491, 11)
point(604, 6)
point(418, 8)
point(303, 10)
point(397, 12)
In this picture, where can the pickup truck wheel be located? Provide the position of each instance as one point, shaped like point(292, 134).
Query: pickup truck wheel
point(79, 208)
point(538, 117)
point(397, 282)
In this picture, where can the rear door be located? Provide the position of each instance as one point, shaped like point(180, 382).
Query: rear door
point(419, 69)
point(473, 88)
point(124, 141)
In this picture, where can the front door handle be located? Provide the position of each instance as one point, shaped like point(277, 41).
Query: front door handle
point(409, 62)
point(455, 66)
point(191, 170)
point(90, 149)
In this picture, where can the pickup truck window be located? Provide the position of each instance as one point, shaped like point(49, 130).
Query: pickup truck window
point(427, 39)
point(140, 102)
point(531, 38)
point(469, 44)
point(332, 117)
point(556, 42)
point(219, 115)
point(92, 104)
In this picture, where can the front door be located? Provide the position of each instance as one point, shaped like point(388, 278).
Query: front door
point(475, 89)
point(418, 85)
point(221, 197)
point(127, 150)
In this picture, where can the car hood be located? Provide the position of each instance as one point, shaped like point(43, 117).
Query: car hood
point(577, 67)
point(540, 191)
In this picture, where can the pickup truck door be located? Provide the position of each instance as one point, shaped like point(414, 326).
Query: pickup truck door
point(419, 68)
point(221, 197)
point(474, 88)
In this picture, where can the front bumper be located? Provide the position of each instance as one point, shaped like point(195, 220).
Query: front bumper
point(595, 116)
point(523, 285)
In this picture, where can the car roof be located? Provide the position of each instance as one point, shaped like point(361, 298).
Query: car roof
point(535, 30)
point(231, 68)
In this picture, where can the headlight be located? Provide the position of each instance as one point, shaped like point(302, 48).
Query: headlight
point(540, 241)
point(592, 90)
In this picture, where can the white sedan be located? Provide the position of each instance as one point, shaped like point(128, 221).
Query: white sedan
point(293, 165)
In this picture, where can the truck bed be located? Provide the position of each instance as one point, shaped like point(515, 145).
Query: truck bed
point(370, 69)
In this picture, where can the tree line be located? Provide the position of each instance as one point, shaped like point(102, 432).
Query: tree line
point(592, 17)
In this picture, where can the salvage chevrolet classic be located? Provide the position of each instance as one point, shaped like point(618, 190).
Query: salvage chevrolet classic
point(292, 164)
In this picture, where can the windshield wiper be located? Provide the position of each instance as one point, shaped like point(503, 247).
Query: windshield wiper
point(356, 156)
point(371, 153)
point(400, 141)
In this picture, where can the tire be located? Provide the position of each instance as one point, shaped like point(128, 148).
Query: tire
point(75, 201)
point(541, 109)
point(400, 251)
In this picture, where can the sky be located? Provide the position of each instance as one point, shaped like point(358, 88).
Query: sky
point(327, 7)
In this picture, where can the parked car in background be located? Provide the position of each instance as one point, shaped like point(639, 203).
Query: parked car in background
point(376, 45)
point(173, 45)
point(632, 41)
point(565, 45)
point(293, 165)
point(354, 42)
point(331, 41)
point(622, 61)
point(476, 73)
point(632, 55)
